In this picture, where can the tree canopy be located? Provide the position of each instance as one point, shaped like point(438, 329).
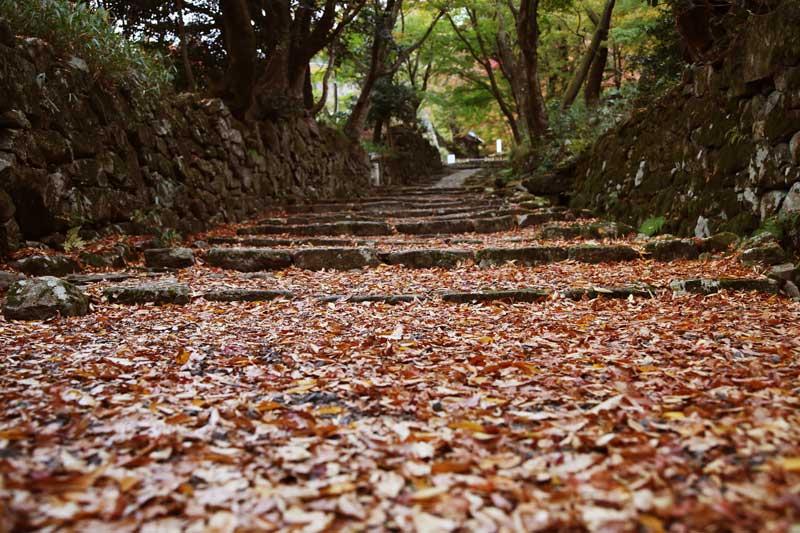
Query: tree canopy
point(546, 75)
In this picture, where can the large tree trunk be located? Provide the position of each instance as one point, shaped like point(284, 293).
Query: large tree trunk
point(594, 83)
point(308, 90)
point(378, 63)
point(240, 44)
point(600, 35)
point(358, 115)
point(528, 36)
point(326, 80)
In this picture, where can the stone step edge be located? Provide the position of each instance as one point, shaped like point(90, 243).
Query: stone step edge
point(359, 257)
point(382, 228)
point(523, 295)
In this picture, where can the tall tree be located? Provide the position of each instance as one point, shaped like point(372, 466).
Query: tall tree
point(487, 53)
point(294, 32)
point(382, 63)
point(599, 37)
point(528, 36)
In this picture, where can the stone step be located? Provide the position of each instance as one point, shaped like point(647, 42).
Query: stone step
point(595, 230)
point(267, 242)
point(248, 259)
point(88, 279)
point(436, 226)
point(245, 295)
point(335, 258)
point(338, 258)
point(536, 255)
point(392, 299)
point(406, 195)
point(672, 249)
point(47, 265)
point(159, 293)
point(713, 286)
point(543, 216)
point(457, 226)
point(473, 214)
point(321, 218)
point(520, 295)
point(170, 292)
point(429, 214)
point(421, 258)
point(380, 207)
point(361, 229)
point(420, 213)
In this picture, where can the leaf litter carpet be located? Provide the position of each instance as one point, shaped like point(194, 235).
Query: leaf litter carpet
point(678, 413)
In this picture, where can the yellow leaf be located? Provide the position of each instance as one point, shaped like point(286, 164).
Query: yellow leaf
point(486, 340)
point(673, 415)
point(302, 386)
point(339, 488)
point(13, 434)
point(126, 483)
point(490, 400)
point(330, 410)
point(183, 356)
point(263, 407)
point(467, 425)
point(428, 493)
point(790, 464)
point(651, 523)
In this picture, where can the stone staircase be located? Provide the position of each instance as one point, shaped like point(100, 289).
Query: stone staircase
point(444, 228)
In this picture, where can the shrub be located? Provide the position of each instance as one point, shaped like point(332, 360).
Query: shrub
point(652, 226)
point(168, 238)
point(74, 242)
point(75, 28)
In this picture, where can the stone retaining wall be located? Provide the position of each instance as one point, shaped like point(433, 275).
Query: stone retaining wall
point(73, 153)
point(719, 153)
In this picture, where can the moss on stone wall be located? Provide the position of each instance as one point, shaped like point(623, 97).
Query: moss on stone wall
point(74, 153)
point(720, 152)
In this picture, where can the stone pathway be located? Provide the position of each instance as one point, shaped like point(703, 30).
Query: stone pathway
point(457, 179)
point(429, 358)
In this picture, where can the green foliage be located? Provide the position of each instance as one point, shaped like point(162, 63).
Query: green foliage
point(74, 28)
point(74, 243)
point(652, 226)
point(168, 238)
point(735, 136)
point(393, 100)
point(573, 131)
point(779, 226)
point(376, 148)
point(658, 55)
point(336, 121)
